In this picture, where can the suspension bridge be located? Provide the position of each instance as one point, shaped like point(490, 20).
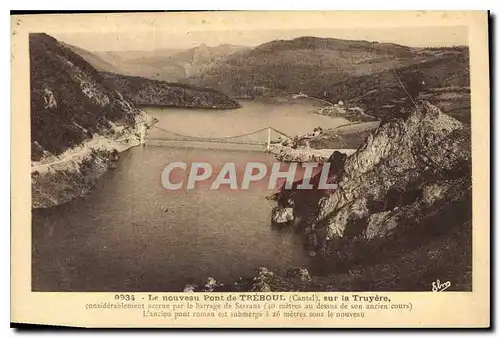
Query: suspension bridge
point(261, 138)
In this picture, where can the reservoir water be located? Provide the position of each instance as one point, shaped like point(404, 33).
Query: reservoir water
point(131, 234)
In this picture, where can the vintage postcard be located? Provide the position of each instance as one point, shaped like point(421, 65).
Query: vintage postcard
point(251, 169)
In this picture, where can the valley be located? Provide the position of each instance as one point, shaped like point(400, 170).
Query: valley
point(393, 122)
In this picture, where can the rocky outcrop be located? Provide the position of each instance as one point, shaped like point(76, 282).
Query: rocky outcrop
point(263, 280)
point(294, 205)
point(394, 167)
point(260, 281)
point(410, 173)
point(299, 273)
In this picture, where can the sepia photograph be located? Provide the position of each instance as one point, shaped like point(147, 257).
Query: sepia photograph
point(251, 168)
point(388, 109)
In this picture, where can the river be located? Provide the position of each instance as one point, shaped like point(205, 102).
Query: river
point(131, 234)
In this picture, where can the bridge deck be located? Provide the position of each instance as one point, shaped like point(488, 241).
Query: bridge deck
point(260, 138)
point(207, 145)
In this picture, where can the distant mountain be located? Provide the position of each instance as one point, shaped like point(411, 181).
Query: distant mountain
point(164, 64)
point(98, 62)
point(131, 62)
point(203, 57)
point(135, 55)
point(315, 43)
point(136, 63)
point(361, 72)
point(298, 65)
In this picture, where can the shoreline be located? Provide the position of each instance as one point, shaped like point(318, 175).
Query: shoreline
point(74, 173)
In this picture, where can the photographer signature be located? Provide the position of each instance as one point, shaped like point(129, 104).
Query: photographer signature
point(438, 287)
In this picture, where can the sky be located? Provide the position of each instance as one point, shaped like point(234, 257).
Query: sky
point(182, 39)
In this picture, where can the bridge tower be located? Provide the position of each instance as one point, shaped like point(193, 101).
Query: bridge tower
point(268, 138)
point(142, 129)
